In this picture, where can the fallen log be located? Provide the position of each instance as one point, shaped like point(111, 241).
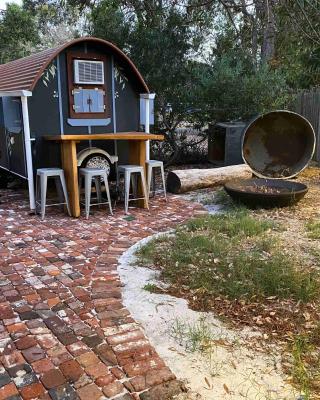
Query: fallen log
point(180, 181)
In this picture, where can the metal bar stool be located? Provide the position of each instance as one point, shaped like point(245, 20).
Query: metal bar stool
point(155, 164)
point(42, 175)
point(131, 172)
point(96, 174)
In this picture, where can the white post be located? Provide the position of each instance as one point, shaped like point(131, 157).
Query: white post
point(27, 142)
point(147, 128)
point(147, 97)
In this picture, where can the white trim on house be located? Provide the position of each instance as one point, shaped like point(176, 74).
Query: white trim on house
point(15, 93)
point(27, 143)
point(147, 97)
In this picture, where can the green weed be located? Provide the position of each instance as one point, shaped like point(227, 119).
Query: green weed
point(313, 229)
point(195, 337)
point(306, 362)
point(150, 287)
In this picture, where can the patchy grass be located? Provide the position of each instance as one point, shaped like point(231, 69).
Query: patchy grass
point(199, 337)
point(196, 337)
point(232, 255)
point(300, 374)
point(313, 229)
point(151, 288)
point(306, 362)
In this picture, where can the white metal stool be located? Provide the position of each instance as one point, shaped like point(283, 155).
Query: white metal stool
point(128, 171)
point(42, 175)
point(97, 174)
point(156, 164)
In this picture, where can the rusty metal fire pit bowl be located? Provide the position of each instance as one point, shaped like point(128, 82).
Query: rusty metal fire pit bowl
point(278, 145)
point(266, 193)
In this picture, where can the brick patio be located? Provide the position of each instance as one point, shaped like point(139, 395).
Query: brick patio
point(64, 333)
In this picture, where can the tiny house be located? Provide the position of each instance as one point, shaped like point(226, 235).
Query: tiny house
point(86, 86)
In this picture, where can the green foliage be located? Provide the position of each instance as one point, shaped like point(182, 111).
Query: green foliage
point(161, 53)
point(299, 61)
point(52, 13)
point(108, 22)
point(234, 89)
point(58, 21)
point(18, 33)
point(159, 47)
point(230, 255)
point(298, 42)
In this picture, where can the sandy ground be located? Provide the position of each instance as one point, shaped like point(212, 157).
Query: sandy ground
point(231, 370)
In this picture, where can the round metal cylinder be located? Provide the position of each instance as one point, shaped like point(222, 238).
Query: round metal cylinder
point(279, 144)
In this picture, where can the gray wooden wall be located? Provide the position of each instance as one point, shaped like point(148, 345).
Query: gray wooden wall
point(308, 104)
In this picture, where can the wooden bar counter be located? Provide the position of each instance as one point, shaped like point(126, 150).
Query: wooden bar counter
point(137, 156)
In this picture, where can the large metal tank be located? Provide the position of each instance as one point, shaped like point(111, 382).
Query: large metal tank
point(278, 144)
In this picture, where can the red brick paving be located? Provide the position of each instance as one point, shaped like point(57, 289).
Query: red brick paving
point(64, 333)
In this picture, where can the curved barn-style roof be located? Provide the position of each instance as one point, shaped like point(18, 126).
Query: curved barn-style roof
point(24, 73)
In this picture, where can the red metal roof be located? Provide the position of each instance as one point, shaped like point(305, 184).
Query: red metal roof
point(24, 73)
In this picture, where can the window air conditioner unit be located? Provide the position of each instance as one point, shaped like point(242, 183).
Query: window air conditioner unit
point(88, 72)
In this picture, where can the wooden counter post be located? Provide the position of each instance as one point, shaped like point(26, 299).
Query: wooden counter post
point(137, 156)
point(70, 167)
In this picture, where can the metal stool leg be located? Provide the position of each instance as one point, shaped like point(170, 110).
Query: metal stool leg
point(127, 177)
point(97, 183)
point(37, 191)
point(153, 185)
point(144, 188)
point(43, 195)
point(149, 172)
point(80, 181)
point(133, 182)
point(65, 191)
point(163, 182)
point(117, 177)
point(57, 181)
point(87, 188)
point(106, 184)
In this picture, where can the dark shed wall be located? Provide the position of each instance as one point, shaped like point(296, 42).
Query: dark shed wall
point(44, 119)
point(44, 107)
point(127, 105)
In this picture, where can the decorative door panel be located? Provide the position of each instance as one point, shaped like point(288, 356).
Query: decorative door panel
point(97, 101)
point(88, 100)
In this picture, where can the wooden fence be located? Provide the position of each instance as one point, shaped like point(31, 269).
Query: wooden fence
point(308, 104)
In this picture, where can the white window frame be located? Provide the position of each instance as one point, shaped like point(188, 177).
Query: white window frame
point(76, 72)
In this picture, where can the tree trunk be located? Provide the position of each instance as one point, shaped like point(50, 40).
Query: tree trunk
point(180, 181)
point(269, 31)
